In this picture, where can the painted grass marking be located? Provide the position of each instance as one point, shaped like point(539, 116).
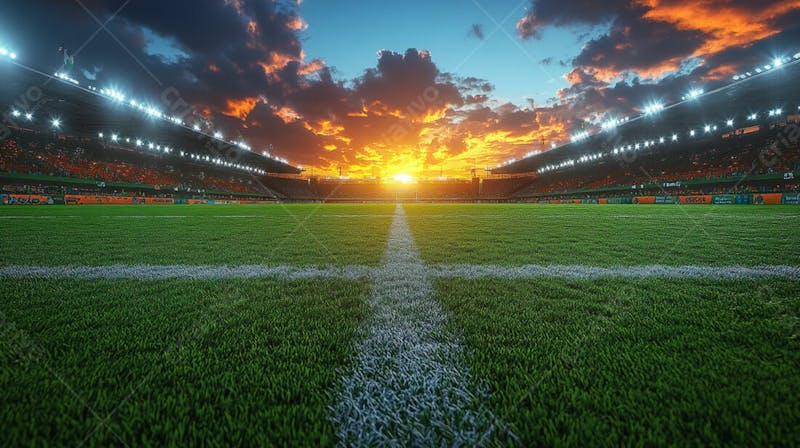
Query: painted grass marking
point(171, 272)
point(632, 272)
point(38, 217)
point(409, 386)
point(183, 216)
point(358, 272)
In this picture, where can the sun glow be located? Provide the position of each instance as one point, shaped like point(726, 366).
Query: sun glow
point(403, 178)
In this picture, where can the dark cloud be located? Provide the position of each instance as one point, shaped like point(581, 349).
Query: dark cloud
point(543, 13)
point(408, 83)
point(639, 45)
point(476, 31)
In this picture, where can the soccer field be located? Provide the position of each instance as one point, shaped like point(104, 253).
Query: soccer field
point(417, 324)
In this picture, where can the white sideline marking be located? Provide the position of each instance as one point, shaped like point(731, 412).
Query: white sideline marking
point(357, 272)
point(169, 272)
point(37, 217)
point(183, 216)
point(630, 272)
point(409, 386)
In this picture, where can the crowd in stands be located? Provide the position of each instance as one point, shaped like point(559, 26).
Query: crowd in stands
point(59, 156)
point(290, 187)
point(727, 166)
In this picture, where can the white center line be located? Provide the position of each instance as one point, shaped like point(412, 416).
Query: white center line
point(410, 385)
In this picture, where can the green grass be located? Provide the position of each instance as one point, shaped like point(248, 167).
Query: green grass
point(232, 362)
point(650, 363)
point(173, 362)
point(606, 235)
point(225, 234)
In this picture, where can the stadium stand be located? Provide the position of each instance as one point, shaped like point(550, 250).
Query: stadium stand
point(750, 163)
point(52, 158)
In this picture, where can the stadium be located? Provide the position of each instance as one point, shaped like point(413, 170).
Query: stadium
point(635, 282)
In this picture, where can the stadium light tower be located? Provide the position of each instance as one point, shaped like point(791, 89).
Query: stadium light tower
point(694, 93)
point(29, 116)
point(56, 123)
point(653, 108)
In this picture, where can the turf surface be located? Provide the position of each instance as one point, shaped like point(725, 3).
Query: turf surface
point(651, 363)
point(606, 235)
point(256, 362)
point(173, 362)
point(233, 235)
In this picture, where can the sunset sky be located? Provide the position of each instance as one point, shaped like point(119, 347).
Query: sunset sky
point(413, 87)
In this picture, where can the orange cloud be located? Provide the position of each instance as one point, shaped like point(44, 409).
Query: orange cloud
point(727, 26)
point(312, 67)
point(240, 108)
point(297, 24)
point(722, 72)
point(276, 62)
point(324, 127)
point(287, 114)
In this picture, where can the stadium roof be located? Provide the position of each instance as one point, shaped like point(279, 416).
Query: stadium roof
point(755, 98)
point(86, 112)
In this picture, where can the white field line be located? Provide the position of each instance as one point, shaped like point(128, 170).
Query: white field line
point(409, 385)
point(168, 272)
point(580, 272)
point(39, 217)
point(183, 216)
point(358, 272)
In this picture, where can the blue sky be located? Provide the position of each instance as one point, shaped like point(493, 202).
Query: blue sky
point(350, 39)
